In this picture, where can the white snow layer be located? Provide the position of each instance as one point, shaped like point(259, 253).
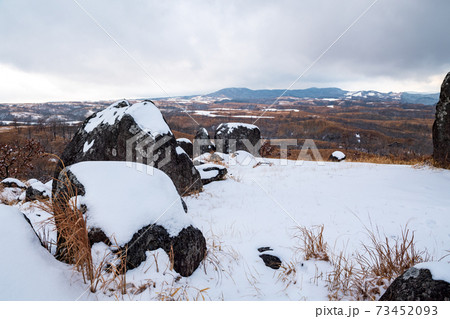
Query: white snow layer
point(87, 146)
point(27, 270)
point(263, 206)
point(180, 150)
point(122, 197)
point(145, 114)
point(439, 270)
point(339, 155)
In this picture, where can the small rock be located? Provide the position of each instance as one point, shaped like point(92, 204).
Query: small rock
point(271, 261)
point(337, 156)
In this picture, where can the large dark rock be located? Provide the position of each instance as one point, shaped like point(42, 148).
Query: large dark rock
point(186, 145)
point(211, 172)
point(417, 285)
point(202, 142)
point(232, 137)
point(186, 249)
point(441, 125)
point(133, 133)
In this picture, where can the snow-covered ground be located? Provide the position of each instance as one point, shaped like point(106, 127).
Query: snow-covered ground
point(257, 206)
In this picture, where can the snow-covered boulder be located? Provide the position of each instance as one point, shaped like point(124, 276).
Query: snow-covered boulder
point(441, 125)
point(202, 142)
point(13, 182)
point(133, 209)
point(38, 191)
point(337, 156)
point(186, 145)
point(211, 172)
point(232, 137)
point(424, 282)
point(133, 133)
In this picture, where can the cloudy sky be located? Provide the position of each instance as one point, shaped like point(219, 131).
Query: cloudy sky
point(51, 50)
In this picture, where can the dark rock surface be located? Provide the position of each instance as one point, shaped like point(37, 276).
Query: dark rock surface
point(263, 249)
point(417, 285)
point(187, 146)
point(441, 125)
point(232, 137)
point(211, 172)
point(202, 142)
point(271, 261)
point(123, 139)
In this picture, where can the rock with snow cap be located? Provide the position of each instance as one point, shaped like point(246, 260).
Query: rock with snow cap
point(441, 126)
point(337, 156)
point(232, 137)
point(126, 208)
point(211, 172)
point(423, 282)
point(202, 142)
point(133, 133)
point(186, 145)
point(13, 183)
point(37, 191)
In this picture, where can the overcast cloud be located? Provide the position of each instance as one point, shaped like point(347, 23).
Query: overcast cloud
point(51, 50)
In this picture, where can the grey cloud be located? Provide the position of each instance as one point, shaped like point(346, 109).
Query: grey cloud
point(198, 46)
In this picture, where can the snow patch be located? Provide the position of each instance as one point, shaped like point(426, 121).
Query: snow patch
point(87, 146)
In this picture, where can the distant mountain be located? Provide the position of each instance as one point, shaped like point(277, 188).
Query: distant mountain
point(245, 94)
point(419, 98)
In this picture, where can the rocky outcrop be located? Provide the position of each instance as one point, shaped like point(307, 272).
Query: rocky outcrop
point(133, 133)
point(417, 285)
point(186, 145)
point(211, 172)
point(202, 142)
point(441, 125)
point(232, 137)
point(148, 215)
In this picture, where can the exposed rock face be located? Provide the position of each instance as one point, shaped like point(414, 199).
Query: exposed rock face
point(211, 172)
point(417, 285)
point(232, 137)
point(133, 133)
point(441, 126)
point(337, 156)
point(202, 142)
point(271, 261)
point(116, 227)
point(186, 145)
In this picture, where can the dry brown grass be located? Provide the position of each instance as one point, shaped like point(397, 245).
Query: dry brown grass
point(312, 242)
point(367, 274)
